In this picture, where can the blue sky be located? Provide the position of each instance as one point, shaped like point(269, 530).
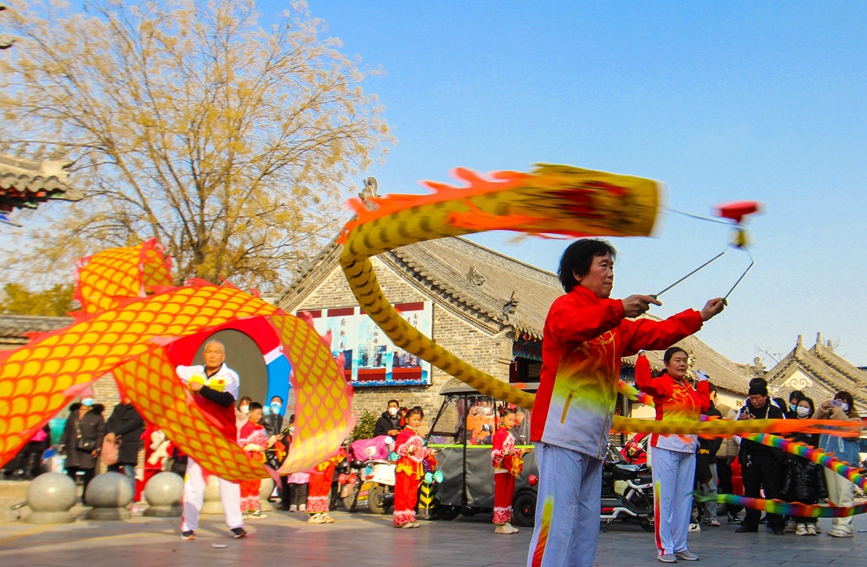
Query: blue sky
point(720, 101)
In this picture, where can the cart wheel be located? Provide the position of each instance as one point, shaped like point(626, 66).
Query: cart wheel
point(446, 512)
point(524, 509)
point(376, 499)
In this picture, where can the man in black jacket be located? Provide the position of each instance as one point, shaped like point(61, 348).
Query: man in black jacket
point(389, 422)
point(126, 426)
point(759, 462)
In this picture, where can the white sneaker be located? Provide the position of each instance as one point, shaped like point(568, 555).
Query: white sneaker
point(801, 529)
point(694, 528)
point(505, 529)
point(840, 532)
point(811, 529)
point(293, 508)
point(791, 527)
point(302, 507)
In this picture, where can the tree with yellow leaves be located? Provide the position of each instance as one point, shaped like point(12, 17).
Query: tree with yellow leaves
point(231, 143)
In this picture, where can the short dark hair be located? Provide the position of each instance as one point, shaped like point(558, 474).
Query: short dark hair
point(578, 257)
point(278, 397)
point(671, 352)
point(798, 395)
point(254, 406)
point(395, 402)
point(712, 386)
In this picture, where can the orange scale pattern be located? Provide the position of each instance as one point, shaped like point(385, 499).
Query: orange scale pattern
point(125, 331)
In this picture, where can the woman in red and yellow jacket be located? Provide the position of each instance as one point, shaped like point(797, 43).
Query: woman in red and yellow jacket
point(673, 456)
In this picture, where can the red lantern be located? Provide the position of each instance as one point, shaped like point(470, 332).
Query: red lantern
point(533, 480)
point(353, 478)
point(342, 478)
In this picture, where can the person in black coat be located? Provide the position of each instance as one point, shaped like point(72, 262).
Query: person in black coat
point(82, 439)
point(803, 480)
point(126, 426)
point(760, 463)
point(389, 422)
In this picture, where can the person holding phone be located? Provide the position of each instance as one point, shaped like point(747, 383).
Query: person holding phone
point(841, 492)
point(759, 463)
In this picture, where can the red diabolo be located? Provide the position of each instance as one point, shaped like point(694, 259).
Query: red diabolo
point(737, 210)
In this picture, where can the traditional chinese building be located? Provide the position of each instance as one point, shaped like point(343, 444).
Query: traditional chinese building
point(483, 306)
point(818, 372)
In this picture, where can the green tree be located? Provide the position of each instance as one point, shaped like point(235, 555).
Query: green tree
point(364, 427)
point(55, 301)
point(231, 143)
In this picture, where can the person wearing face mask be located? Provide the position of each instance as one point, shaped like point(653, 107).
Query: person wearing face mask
point(389, 422)
point(794, 399)
point(674, 456)
point(803, 481)
point(273, 420)
point(82, 440)
point(841, 492)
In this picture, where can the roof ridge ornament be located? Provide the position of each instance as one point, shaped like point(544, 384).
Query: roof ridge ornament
point(370, 193)
point(476, 277)
point(510, 309)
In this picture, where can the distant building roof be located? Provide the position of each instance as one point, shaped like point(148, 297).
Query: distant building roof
point(498, 291)
point(14, 328)
point(26, 183)
point(819, 370)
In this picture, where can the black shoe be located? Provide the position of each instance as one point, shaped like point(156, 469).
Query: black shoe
point(189, 534)
point(238, 533)
point(778, 531)
point(746, 530)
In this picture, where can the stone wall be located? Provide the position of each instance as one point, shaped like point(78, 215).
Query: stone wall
point(454, 331)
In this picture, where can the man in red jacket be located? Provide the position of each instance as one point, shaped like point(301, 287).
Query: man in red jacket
point(586, 334)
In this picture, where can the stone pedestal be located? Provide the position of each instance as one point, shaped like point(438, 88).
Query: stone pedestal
point(265, 493)
point(164, 492)
point(108, 494)
point(212, 503)
point(50, 496)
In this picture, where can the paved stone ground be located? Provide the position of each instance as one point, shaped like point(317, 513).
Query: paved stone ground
point(362, 540)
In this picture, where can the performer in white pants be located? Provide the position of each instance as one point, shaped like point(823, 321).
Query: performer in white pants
point(673, 455)
point(215, 386)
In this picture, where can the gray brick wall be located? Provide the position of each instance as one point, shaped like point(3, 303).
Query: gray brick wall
point(477, 346)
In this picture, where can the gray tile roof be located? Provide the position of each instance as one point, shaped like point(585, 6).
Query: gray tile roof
point(26, 183)
point(499, 291)
point(823, 365)
point(14, 328)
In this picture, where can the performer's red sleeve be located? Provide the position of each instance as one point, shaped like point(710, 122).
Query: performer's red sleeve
point(703, 389)
point(646, 334)
point(568, 323)
point(660, 387)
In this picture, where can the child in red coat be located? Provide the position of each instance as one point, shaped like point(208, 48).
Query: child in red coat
point(507, 466)
point(254, 440)
point(409, 445)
